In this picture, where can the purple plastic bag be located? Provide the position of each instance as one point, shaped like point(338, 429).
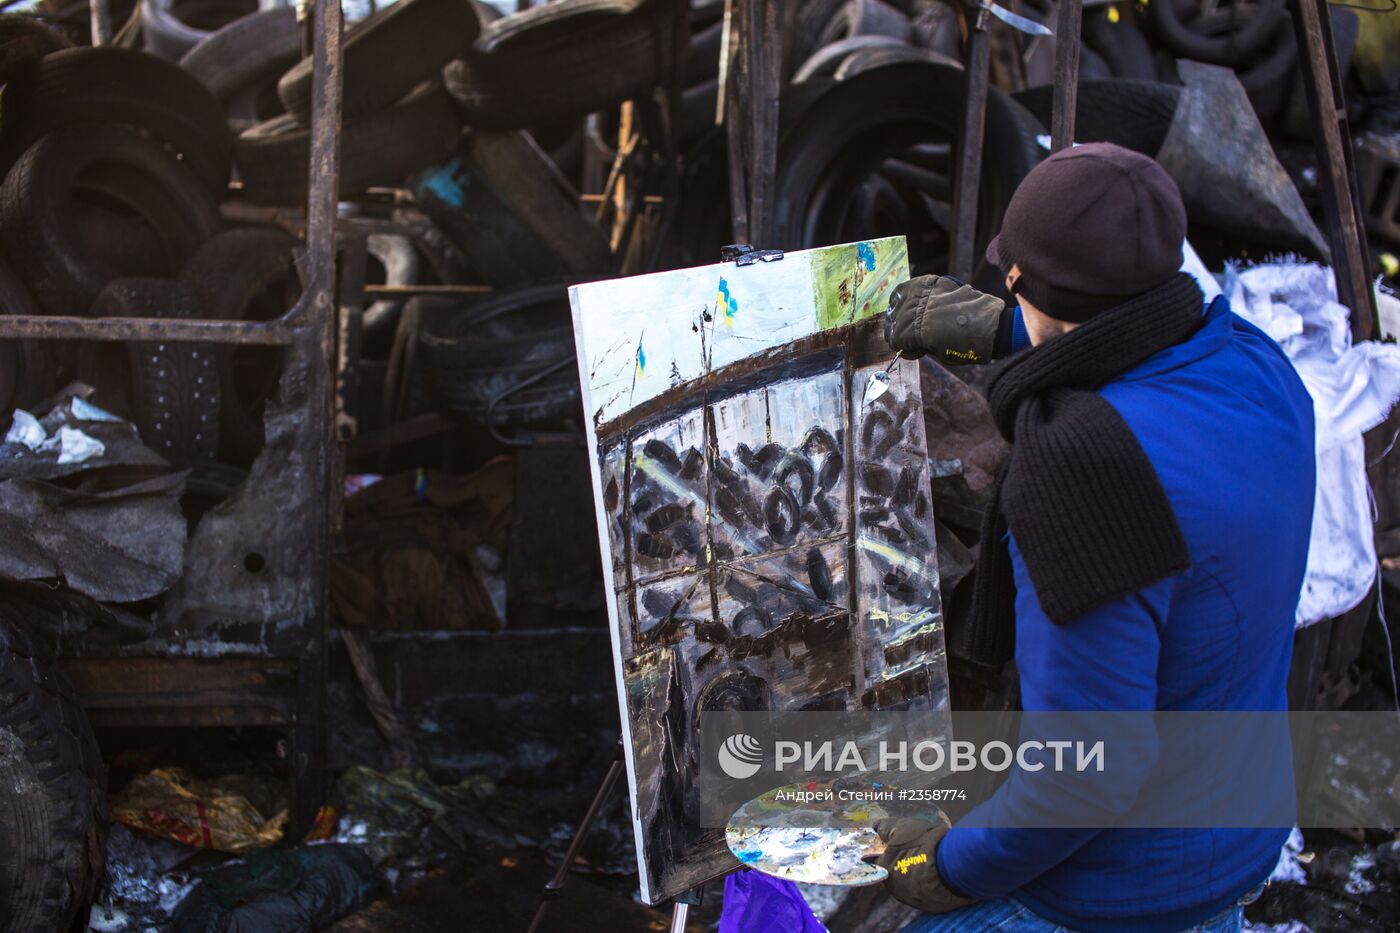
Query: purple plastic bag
point(759, 903)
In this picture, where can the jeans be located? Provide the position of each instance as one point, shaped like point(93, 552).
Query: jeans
point(1008, 916)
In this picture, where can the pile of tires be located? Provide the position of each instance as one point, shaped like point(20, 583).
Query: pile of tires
point(871, 116)
point(507, 360)
point(53, 794)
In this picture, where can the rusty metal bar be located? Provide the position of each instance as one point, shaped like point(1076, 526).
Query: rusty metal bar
point(764, 53)
point(314, 347)
point(1067, 38)
point(732, 91)
point(979, 61)
point(408, 290)
point(751, 70)
point(278, 332)
point(1341, 200)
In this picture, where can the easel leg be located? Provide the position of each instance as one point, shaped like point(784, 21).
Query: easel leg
point(555, 886)
point(680, 907)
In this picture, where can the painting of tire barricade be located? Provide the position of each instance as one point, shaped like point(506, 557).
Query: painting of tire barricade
point(764, 517)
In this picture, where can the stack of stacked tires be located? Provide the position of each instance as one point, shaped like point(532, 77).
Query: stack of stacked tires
point(119, 168)
point(526, 87)
point(871, 113)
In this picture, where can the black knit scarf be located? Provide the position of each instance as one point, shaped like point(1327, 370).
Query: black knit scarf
point(1085, 504)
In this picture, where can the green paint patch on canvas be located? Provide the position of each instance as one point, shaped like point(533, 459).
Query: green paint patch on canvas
point(854, 281)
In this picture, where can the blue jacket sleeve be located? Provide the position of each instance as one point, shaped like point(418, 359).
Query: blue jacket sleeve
point(1105, 660)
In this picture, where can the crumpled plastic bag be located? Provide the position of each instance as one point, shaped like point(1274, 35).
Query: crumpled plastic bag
point(759, 903)
point(208, 814)
point(1353, 387)
point(144, 879)
point(279, 891)
point(405, 821)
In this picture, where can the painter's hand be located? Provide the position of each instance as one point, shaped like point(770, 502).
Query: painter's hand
point(910, 845)
point(938, 315)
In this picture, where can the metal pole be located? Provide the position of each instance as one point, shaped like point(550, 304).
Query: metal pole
point(313, 349)
point(1341, 201)
point(764, 54)
point(1067, 30)
point(961, 261)
point(736, 36)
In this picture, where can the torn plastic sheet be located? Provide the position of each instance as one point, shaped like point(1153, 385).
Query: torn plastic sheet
point(113, 529)
point(39, 450)
point(73, 446)
point(84, 410)
point(144, 879)
point(25, 430)
point(1353, 389)
point(116, 546)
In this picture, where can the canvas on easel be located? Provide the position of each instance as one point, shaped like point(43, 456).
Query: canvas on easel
point(767, 533)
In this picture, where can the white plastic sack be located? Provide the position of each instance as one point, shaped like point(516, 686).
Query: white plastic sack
point(1353, 389)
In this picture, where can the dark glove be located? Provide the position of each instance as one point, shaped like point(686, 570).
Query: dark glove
point(910, 846)
point(938, 315)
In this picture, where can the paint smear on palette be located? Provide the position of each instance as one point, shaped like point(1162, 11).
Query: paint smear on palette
point(854, 281)
point(784, 834)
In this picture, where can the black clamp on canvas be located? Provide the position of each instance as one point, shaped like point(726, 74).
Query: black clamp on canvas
point(742, 254)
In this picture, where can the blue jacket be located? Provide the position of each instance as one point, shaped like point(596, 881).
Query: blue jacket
point(1228, 426)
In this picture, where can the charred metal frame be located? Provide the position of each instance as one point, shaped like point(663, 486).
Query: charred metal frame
point(279, 689)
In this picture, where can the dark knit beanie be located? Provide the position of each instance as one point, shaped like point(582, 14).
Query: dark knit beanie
point(1091, 227)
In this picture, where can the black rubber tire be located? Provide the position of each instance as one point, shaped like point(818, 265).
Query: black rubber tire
point(1173, 29)
point(702, 61)
point(488, 227)
point(387, 55)
point(1269, 78)
point(247, 53)
point(836, 142)
point(812, 17)
point(53, 795)
point(697, 111)
point(1121, 44)
point(41, 234)
point(228, 276)
point(486, 13)
point(381, 148)
point(119, 86)
point(31, 361)
point(398, 257)
point(561, 61)
point(824, 61)
point(486, 348)
point(121, 241)
point(1092, 66)
point(170, 28)
point(867, 18)
point(865, 60)
point(24, 40)
point(515, 168)
point(174, 386)
point(1133, 114)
